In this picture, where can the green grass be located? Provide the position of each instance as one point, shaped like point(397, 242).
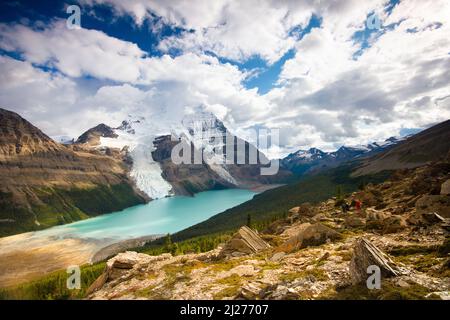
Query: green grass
point(194, 245)
point(317, 273)
point(53, 286)
point(388, 291)
point(233, 284)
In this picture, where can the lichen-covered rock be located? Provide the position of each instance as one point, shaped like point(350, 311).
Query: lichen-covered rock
point(366, 254)
point(375, 219)
point(434, 203)
point(394, 224)
point(445, 188)
point(119, 267)
point(310, 235)
point(244, 242)
point(354, 221)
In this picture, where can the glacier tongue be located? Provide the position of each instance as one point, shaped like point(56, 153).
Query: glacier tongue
point(147, 173)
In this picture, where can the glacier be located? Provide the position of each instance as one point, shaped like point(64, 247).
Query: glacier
point(137, 135)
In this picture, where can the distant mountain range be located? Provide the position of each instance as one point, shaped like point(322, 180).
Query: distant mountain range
point(315, 160)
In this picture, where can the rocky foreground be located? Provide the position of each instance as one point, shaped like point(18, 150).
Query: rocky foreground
point(316, 252)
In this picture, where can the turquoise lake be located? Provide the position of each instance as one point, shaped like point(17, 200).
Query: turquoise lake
point(161, 216)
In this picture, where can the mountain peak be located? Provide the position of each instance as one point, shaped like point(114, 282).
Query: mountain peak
point(92, 136)
point(18, 136)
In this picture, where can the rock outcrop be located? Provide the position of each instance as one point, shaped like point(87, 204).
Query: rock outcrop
point(445, 188)
point(434, 203)
point(93, 135)
point(310, 235)
point(118, 268)
point(365, 254)
point(244, 242)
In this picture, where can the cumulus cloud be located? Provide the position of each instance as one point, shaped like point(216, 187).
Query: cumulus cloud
point(232, 29)
point(399, 80)
point(75, 52)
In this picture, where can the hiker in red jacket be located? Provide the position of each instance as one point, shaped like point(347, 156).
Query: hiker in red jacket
point(358, 205)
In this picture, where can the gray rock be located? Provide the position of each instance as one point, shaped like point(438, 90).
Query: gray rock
point(278, 256)
point(445, 188)
point(245, 241)
point(394, 224)
point(311, 235)
point(434, 203)
point(366, 254)
point(354, 221)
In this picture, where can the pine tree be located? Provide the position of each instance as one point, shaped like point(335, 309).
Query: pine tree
point(168, 243)
point(249, 220)
point(339, 195)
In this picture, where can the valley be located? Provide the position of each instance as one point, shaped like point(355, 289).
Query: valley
point(28, 256)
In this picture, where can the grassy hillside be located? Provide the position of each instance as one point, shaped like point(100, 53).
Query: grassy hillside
point(276, 202)
point(54, 286)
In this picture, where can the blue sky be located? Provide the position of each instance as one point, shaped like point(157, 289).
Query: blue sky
point(122, 27)
point(312, 69)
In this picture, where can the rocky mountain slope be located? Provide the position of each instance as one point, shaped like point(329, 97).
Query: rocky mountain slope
point(429, 145)
point(45, 183)
point(315, 160)
point(315, 252)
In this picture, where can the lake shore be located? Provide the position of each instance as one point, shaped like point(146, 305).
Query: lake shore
point(20, 263)
point(29, 256)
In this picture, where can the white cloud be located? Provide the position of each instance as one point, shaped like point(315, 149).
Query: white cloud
point(400, 81)
point(233, 29)
point(325, 96)
point(75, 52)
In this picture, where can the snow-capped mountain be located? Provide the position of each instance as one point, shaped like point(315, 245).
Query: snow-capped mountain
point(313, 160)
point(63, 139)
point(147, 143)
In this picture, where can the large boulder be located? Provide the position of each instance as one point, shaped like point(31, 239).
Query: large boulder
point(119, 267)
point(375, 219)
point(394, 224)
point(304, 210)
point(244, 242)
point(445, 188)
point(353, 221)
point(310, 235)
point(365, 254)
point(434, 203)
